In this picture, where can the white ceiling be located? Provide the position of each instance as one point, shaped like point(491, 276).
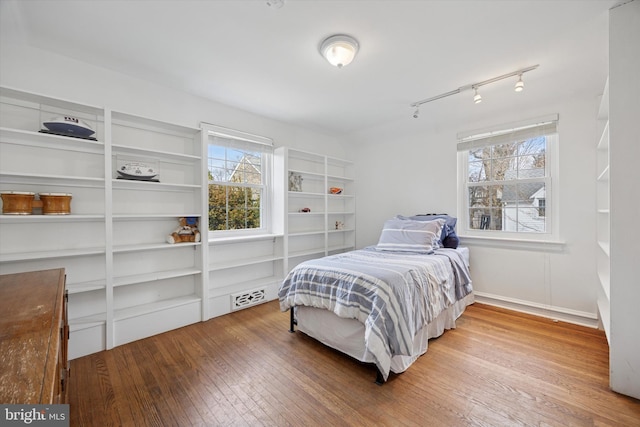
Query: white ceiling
point(265, 60)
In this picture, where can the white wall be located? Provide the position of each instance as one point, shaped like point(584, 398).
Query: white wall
point(42, 72)
point(405, 169)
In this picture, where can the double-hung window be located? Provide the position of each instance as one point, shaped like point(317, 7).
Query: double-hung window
point(239, 178)
point(506, 179)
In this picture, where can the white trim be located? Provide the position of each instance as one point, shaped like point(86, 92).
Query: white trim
point(223, 132)
point(513, 243)
point(241, 239)
point(489, 131)
point(544, 310)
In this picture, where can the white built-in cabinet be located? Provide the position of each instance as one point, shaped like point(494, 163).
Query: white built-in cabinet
point(328, 225)
point(603, 214)
point(244, 272)
point(125, 281)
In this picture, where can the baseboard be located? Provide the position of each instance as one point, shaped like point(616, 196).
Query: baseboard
point(551, 312)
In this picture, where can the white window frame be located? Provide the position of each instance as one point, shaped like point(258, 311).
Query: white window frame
point(547, 126)
point(221, 136)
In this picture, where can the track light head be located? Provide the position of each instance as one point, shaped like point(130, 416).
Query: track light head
point(477, 98)
point(519, 84)
point(416, 113)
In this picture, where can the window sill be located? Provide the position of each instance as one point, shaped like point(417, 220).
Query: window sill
point(513, 243)
point(242, 239)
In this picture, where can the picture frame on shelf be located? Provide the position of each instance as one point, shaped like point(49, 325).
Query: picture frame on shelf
point(295, 182)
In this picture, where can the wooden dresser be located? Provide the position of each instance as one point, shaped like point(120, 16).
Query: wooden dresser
point(33, 337)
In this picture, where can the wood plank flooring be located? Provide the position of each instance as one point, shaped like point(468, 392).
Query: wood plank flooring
point(497, 368)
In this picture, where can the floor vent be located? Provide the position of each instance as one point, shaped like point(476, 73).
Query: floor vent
point(247, 299)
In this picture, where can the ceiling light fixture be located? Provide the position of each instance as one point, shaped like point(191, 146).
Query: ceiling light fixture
point(477, 98)
point(275, 4)
point(519, 87)
point(339, 49)
point(416, 113)
point(474, 86)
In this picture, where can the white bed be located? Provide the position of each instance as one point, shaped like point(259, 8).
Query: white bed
point(378, 305)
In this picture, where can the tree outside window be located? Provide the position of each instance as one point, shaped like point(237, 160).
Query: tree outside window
point(236, 188)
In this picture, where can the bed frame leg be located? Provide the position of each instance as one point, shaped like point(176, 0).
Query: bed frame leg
point(292, 321)
point(379, 377)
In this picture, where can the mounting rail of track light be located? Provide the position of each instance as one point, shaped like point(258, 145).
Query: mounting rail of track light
point(519, 86)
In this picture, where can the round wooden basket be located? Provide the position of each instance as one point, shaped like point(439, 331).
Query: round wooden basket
point(17, 202)
point(55, 203)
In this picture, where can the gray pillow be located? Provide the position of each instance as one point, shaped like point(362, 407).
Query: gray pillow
point(401, 235)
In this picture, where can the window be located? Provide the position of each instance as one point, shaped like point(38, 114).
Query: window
point(506, 178)
point(238, 169)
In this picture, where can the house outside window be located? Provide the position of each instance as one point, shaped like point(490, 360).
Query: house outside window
point(506, 177)
point(239, 177)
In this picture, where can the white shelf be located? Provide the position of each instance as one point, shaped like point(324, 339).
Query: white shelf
point(125, 184)
point(51, 180)
point(306, 194)
point(152, 247)
point(165, 156)
point(603, 143)
point(61, 253)
point(604, 246)
point(311, 251)
point(94, 285)
point(343, 230)
point(153, 276)
point(245, 262)
point(156, 306)
point(151, 217)
point(87, 322)
point(604, 175)
point(49, 141)
point(17, 219)
point(307, 233)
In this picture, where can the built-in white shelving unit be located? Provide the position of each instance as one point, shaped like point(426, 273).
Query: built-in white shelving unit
point(603, 213)
point(125, 281)
point(328, 227)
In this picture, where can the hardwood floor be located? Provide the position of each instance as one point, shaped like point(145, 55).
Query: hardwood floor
point(498, 368)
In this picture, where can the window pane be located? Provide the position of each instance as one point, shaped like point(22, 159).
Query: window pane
point(504, 168)
point(477, 172)
point(512, 199)
point(485, 219)
point(236, 206)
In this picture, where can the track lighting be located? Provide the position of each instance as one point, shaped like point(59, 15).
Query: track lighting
point(519, 84)
point(416, 113)
point(477, 98)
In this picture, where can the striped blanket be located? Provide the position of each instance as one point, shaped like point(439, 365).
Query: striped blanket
point(393, 294)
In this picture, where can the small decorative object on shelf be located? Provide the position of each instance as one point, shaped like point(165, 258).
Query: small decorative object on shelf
point(295, 181)
point(339, 225)
point(305, 210)
point(137, 170)
point(68, 126)
point(24, 203)
point(17, 202)
point(56, 203)
point(186, 232)
point(335, 190)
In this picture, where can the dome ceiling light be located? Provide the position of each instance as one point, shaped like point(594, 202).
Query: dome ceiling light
point(339, 49)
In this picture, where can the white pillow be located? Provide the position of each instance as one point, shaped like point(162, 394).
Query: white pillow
point(401, 235)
